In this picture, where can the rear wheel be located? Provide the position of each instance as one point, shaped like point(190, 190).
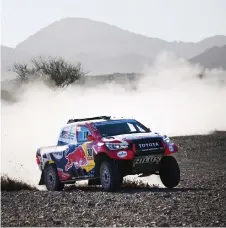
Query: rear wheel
point(52, 180)
point(169, 172)
point(110, 175)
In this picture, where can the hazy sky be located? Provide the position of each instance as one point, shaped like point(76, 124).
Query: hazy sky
point(185, 20)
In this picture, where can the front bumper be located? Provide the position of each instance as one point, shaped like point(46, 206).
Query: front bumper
point(146, 164)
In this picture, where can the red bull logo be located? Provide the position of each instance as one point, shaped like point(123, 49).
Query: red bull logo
point(76, 158)
point(63, 176)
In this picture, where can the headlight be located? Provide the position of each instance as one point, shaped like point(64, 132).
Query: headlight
point(166, 139)
point(116, 146)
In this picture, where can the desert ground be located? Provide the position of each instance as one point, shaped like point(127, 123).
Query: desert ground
point(199, 199)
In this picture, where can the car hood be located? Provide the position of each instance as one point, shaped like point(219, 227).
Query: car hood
point(134, 136)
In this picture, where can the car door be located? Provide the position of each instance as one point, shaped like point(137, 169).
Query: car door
point(82, 133)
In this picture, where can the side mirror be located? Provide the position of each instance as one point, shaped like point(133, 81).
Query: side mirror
point(90, 138)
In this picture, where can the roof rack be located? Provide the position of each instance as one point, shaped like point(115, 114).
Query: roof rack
point(90, 118)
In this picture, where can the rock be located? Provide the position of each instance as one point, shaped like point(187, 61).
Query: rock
point(57, 221)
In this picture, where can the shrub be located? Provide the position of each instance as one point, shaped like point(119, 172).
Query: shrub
point(23, 72)
point(55, 70)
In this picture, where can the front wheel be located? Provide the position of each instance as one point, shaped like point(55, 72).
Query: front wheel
point(169, 172)
point(52, 180)
point(110, 175)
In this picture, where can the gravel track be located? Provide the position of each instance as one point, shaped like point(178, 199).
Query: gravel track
point(199, 200)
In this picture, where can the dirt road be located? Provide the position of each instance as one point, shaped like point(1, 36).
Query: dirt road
point(199, 200)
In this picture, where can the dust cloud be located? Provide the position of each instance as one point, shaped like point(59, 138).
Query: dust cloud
point(170, 99)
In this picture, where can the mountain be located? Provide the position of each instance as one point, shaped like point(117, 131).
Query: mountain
point(104, 48)
point(214, 57)
point(7, 55)
point(6, 50)
point(209, 42)
point(11, 55)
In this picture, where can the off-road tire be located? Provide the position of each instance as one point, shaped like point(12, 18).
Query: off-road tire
point(169, 172)
point(52, 181)
point(110, 175)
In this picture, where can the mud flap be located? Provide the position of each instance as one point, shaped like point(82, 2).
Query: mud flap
point(42, 181)
point(94, 182)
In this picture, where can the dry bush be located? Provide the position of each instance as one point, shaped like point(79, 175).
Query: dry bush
point(55, 70)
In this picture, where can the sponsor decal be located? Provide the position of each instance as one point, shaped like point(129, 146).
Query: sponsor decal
point(62, 175)
point(89, 154)
point(99, 144)
point(93, 127)
point(91, 173)
point(48, 156)
point(171, 149)
point(76, 158)
point(39, 151)
point(64, 134)
point(58, 155)
point(139, 137)
point(51, 149)
point(122, 154)
point(149, 159)
point(146, 145)
point(71, 136)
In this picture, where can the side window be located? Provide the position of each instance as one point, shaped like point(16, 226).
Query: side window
point(131, 126)
point(140, 129)
point(72, 136)
point(82, 133)
point(64, 137)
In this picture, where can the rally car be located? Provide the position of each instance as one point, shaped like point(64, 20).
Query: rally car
point(103, 150)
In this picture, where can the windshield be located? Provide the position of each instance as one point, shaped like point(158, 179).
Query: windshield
point(120, 127)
